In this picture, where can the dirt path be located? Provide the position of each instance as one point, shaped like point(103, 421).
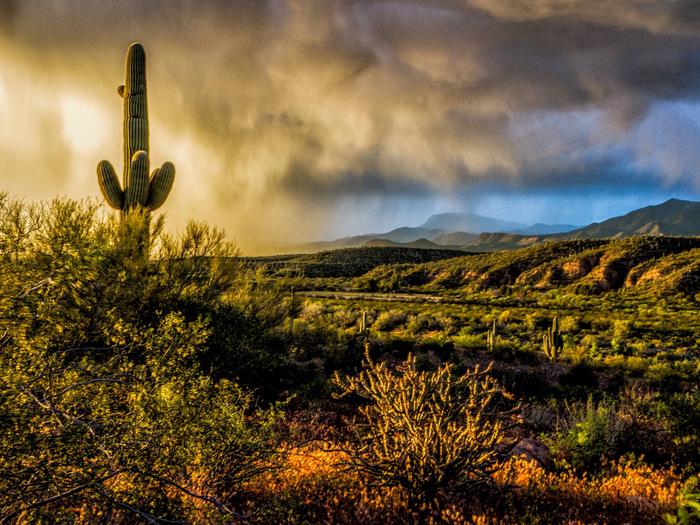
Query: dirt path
point(377, 296)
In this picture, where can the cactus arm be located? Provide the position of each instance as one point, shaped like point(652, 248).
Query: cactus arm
point(161, 184)
point(137, 191)
point(109, 185)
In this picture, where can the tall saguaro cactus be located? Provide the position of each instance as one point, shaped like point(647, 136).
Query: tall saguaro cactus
point(139, 190)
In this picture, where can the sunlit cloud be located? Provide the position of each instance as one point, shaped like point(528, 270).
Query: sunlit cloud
point(291, 120)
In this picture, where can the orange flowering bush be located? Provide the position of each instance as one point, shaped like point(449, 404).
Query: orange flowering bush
point(627, 492)
point(313, 488)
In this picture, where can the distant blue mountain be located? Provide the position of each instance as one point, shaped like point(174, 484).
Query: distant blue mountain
point(469, 230)
point(469, 222)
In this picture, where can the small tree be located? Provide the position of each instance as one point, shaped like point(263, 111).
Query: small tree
point(424, 431)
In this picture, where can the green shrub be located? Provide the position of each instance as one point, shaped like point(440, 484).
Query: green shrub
point(688, 505)
point(105, 403)
point(387, 321)
point(588, 434)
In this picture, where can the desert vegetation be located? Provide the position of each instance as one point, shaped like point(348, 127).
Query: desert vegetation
point(152, 377)
point(177, 382)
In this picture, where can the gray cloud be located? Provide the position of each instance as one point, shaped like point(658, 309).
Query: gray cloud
point(271, 108)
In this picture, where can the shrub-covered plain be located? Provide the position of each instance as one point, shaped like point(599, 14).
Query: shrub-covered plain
point(175, 381)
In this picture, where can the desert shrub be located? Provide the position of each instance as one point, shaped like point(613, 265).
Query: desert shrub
point(106, 406)
point(438, 344)
point(600, 324)
point(446, 323)
point(681, 415)
point(536, 321)
point(114, 427)
point(589, 434)
point(313, 487)
point(345, 318)
point(311, 311)
point(422, 322)
point(505, 317)
point(469, 341)
point(387, 321)
point(576, 354)
point(626, 492)
point(569, 324)
point(663, 375)
point(621, 329)
point(633, 366)
point(425, 431)
point(590, 342)
point(688, 511)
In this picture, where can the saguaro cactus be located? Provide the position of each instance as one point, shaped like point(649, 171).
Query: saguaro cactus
point(552, 341)
point(491, 337)
point(292, 311)
point(139, 190)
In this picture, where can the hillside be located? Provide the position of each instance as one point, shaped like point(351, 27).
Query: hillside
point(422, 244)
point(399, 236)
point(456, 239)
point(348, 262)
point(673, 217)
point(662, 264)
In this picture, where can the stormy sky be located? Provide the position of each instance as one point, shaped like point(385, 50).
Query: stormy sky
point(291, 120)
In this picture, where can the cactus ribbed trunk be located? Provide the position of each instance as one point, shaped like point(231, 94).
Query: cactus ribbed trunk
point(491, 337)
point(552, 341)
point(135, 107)
point(139, 190)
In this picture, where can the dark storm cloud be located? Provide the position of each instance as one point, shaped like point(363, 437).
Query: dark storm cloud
point(283, 104)
point(8, 12)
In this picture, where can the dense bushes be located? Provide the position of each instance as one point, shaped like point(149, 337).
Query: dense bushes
point(105, 406)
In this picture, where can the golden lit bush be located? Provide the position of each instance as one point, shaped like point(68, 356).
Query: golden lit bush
point(313, 487)
point(626, 493)
point(424, 431)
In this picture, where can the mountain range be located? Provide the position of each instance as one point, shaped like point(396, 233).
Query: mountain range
point(472, 232)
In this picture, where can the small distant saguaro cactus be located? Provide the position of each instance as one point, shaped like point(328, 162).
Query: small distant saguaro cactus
point(139, 190)
point(491, 337)
point(292, 311)
point(363, 322)
point(552, 341)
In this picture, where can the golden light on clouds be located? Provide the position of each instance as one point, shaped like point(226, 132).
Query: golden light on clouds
point(282, 115)
point(83, 124)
